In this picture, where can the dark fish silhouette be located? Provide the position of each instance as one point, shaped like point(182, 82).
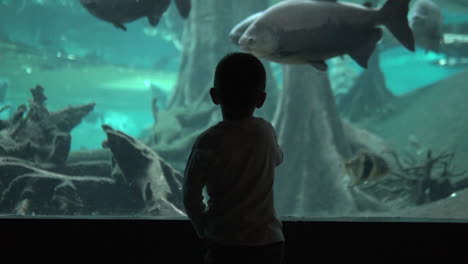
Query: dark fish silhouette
point(366, 166)
point(119, 12)
point(310, 32)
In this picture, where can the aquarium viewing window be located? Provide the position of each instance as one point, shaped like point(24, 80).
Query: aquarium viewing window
point(99, 110)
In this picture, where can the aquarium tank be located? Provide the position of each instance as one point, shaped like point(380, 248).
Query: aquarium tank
point(102, 100)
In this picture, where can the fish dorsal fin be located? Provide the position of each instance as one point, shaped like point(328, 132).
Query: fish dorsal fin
point(364, 50)
point(154, 14)
point(154, 20)
point(184, 7)
point(120, 26)
point(319, 65)
point(368, 4)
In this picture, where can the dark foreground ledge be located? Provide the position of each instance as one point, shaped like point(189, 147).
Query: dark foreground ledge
point(165, 240)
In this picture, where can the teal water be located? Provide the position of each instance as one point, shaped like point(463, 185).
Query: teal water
point(396, 63)
point(80, 59)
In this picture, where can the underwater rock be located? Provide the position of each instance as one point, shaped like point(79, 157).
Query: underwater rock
point(432, 114)
point(154, 187)
point(369, 96)
point(360, 138)
point(39, 135)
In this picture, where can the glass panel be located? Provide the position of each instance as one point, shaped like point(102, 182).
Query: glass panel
point(101, 102)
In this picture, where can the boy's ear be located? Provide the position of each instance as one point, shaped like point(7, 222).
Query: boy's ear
point(260, 100)
point(214, 96)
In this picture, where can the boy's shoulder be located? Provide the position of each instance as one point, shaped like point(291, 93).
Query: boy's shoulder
point(208, 137)
point(261, 124)
point(254, 122)
point(264, 123)
point(216, 132)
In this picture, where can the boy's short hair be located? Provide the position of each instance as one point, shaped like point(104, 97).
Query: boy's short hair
point(239, 78)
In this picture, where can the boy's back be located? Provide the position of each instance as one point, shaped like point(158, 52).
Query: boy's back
point(240, 156)
point(235, 161)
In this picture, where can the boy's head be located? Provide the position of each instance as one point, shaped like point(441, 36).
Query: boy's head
point(239, 84)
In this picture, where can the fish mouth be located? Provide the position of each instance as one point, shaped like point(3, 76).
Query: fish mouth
point(244, 47)
point(244, 44)
point(234, 38)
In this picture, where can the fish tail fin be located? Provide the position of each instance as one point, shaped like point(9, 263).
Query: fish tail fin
point(363, 53)
point(396, 20)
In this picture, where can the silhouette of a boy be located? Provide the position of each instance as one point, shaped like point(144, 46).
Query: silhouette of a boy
point(235, 159)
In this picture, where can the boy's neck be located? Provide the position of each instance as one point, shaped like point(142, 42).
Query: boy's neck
point(228, 116)
point(236, 118)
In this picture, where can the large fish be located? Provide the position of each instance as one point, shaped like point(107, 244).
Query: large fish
point(119, 12)
point(426, 23)
point(310, 32)
point(238, 30)
point(236, 33)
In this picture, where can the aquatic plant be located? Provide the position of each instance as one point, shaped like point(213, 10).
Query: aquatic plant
point(419, 179)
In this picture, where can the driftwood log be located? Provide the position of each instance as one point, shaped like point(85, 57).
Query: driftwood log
point(153, 186)
point(37, 135)
point(28, 190)
point(36, 177)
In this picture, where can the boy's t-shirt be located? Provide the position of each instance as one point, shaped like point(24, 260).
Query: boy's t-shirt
point(235, 160)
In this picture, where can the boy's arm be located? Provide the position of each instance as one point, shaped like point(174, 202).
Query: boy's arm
point(279, 152)
point(194, 181)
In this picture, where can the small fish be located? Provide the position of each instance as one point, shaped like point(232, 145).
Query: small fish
point(119, 12)
point(310, 32)
point(426, 22)
point(366, 166)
